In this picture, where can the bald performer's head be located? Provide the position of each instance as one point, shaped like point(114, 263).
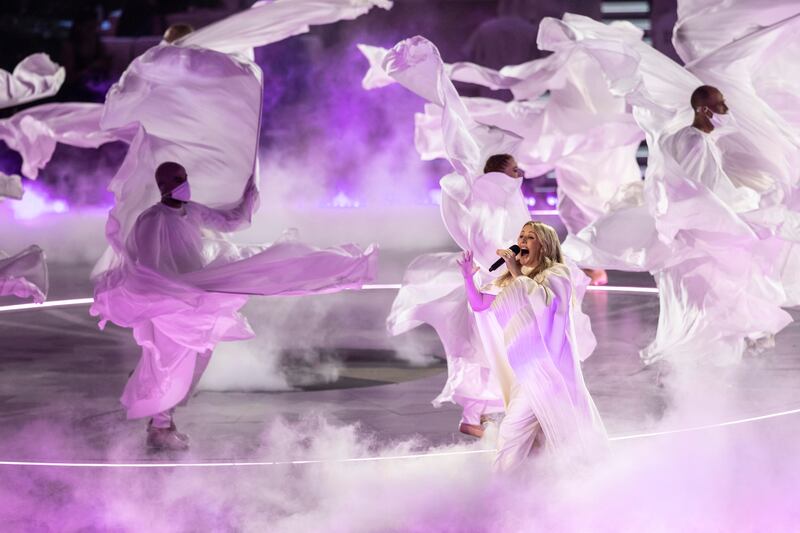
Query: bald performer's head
point(169, 176)
point(176, 31)
point(710, 98)
point(708, 105)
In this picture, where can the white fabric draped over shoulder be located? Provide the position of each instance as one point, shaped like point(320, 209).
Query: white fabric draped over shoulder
point(536, 337)
point(761, 153)
point(581, 131)
point(751, 54)
point(34, 78)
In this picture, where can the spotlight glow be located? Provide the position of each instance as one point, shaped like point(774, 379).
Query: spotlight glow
point(344, 201)
point(35, 203)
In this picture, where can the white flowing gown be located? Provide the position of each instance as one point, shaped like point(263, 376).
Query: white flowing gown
point(535, 336)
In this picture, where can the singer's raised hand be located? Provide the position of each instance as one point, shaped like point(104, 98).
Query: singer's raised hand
point(477, 300)
point(468, 268)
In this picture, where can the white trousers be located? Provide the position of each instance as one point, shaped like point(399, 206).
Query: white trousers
point(518, 432)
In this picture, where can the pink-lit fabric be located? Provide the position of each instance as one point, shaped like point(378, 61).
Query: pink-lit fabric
point(170, 274)
point(482, 212)
point(704, 27)
point(35, 132)
point(692, 222)
point(533, 335)
point(272, 21)
point(34, 78)
point(24, 275)
point(181, 285)
point(582, 133)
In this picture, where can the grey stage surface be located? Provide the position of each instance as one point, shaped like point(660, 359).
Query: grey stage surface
point(62, 378)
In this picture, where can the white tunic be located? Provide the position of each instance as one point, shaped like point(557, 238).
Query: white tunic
point(709, 239)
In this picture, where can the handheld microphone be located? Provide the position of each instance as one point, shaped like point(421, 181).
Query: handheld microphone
point(497, 264)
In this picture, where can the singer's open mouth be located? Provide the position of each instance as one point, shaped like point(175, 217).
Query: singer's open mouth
point(523, 252)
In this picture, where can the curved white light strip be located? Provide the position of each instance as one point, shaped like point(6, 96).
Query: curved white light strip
point(371, 459)
point(373, 287)
point(51, 303)
point(612, 288)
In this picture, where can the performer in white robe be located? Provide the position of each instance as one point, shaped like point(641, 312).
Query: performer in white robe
point(723, 295)
point(536, 336)
point(180, 290)
point(719, 289)
point(201, 107)
point(35, 132)
point(482, 206)
point(179, 285)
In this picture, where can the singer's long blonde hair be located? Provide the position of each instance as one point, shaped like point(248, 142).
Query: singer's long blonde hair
point(549, 252)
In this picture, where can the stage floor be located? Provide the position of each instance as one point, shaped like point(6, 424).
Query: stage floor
point(329, 356)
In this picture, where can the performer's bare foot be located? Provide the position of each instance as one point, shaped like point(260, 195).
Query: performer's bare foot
point(473, 430)
point(598, 276)
point(166, 439)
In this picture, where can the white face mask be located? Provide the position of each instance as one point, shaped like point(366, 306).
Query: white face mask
point(182, 192)
point(722, 122)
